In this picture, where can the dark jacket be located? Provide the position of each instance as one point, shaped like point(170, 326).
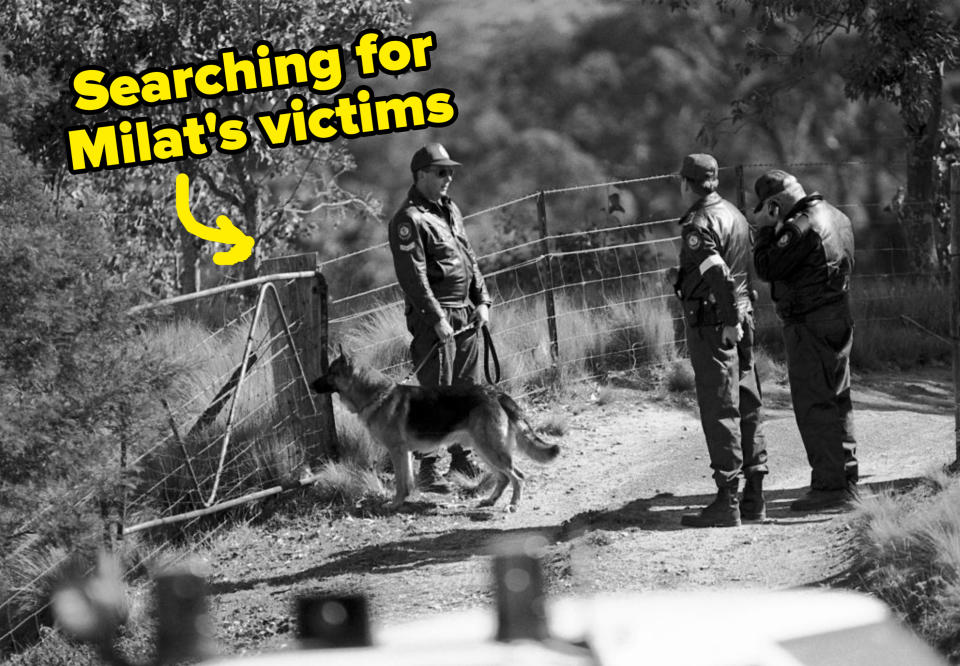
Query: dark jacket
point(435, 265)
point(714, 280)
point(808, 261)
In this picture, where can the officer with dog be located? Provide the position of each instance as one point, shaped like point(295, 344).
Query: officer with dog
point(805, 249)
point(714, 284)
point(443, 288)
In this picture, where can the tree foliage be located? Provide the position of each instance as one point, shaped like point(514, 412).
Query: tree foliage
point(272, 194)
point(894, 50)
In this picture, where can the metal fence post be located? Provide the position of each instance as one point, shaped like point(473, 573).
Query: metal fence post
point(546, 276)
point(955, 301)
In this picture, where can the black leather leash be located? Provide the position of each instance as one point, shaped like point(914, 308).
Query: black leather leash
point(490, 351)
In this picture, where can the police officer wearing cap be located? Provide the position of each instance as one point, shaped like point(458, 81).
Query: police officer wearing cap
point(804, 249)
point(714, 283)
point(443, 289)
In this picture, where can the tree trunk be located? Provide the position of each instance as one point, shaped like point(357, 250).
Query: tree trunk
point(189, 262)
point(251, 220)
point(917, 215)
point(921, 119)
point(189, 278)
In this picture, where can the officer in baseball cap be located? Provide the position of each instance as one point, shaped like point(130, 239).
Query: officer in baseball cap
point(432, 154)
point(805, 250)
point(443, 288)
point(773, 183)
point(700, 168)
point(713, 283)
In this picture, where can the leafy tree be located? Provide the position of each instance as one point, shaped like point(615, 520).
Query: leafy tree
point(271, 194)
point(894, 50)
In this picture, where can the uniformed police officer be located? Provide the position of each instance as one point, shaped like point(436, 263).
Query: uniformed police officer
point(443, 289)
point(805, 250)
point(714, 284)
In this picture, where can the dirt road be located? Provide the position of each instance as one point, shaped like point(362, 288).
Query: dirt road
point(608, 511)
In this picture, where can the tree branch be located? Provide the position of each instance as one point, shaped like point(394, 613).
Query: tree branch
point(229, 197)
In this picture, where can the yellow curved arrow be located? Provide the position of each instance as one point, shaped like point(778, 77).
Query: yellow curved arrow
point(225, 232)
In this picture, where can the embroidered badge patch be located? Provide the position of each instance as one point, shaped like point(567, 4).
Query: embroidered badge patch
point(405, 231)
point(785, 239)
point(693, 241)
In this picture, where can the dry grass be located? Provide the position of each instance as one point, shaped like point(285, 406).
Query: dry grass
point(379, 339)
point(884, 337)
point(907, 553)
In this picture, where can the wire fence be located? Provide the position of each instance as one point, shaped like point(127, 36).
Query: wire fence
point(577, 279)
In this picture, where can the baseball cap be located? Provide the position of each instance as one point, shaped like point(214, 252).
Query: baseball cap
point(699, 167)
point(432, 154)
point(772, 183)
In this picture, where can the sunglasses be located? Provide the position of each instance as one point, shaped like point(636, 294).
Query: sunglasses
point(442, 172)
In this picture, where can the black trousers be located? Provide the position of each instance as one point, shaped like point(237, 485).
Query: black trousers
point(730, 401)
point(451, 364)
point(818, 362)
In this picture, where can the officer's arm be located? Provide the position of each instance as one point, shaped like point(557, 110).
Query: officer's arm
point(409, 260)
point(778, 252)
point(701, 260)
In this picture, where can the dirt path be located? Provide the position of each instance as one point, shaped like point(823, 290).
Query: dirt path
point(608, 509)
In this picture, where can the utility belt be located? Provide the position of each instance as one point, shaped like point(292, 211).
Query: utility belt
point(703, 312)
point(700, 312)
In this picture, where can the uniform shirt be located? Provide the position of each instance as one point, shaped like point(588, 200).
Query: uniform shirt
point(435, 265)
point(808, 259)
point(715, 256)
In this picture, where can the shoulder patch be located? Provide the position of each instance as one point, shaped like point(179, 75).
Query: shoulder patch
point(694, 241)
point(405, 231)
point(407, 247)
point(785, 238)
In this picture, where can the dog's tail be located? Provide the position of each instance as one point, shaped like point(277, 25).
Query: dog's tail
point(527, 440)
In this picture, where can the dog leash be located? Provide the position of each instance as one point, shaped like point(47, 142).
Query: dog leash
point(489, 352)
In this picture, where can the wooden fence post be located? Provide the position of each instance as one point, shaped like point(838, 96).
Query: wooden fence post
point(326, 425)
point(741, 189)
point(955, 301)
point(306, 318)
point(546, 276)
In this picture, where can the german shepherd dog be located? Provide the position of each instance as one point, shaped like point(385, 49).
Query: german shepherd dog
point(405, 419)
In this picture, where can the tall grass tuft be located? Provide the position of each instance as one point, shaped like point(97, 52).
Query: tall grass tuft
point(345, 484)
point(523, 344)
point(884, 337)
point(380, 339)
point(907, 553)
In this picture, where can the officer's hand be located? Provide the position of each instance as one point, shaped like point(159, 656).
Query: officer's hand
point(731, 335)
point(481, 316)
point(443, 329)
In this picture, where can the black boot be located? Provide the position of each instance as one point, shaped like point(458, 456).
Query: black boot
point(752, 506)
point(461, 461)
point(723, 511)
point(429, 478)
point(822, 500)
